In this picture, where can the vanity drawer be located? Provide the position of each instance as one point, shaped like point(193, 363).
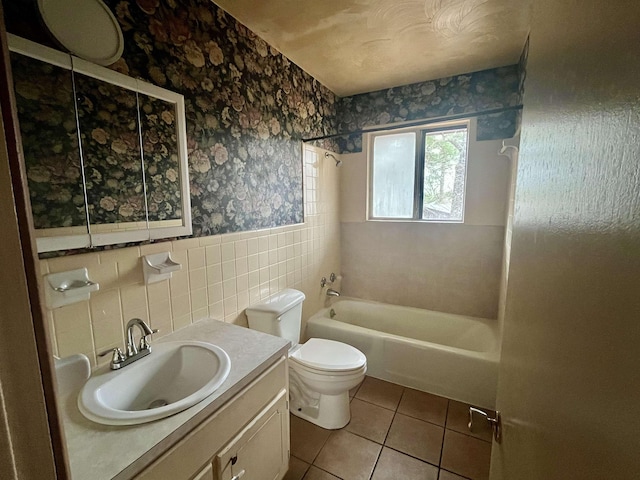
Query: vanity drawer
point(187, 459)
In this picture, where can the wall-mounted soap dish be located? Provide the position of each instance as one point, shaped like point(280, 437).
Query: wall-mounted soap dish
point(65, 288)
point(158, 267)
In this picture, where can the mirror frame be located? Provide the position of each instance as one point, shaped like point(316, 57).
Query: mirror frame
point(77, 65)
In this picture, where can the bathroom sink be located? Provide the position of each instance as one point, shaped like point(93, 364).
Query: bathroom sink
point(174, 377)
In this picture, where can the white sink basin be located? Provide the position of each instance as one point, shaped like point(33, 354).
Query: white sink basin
point(174, 377)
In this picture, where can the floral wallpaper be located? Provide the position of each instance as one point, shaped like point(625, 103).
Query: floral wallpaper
point(50, 142)
point(469, 93)
point(247, 109)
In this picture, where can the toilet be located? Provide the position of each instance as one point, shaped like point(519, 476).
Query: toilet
point(321, 372)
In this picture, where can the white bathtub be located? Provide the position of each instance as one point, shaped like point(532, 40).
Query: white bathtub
point(450, 355)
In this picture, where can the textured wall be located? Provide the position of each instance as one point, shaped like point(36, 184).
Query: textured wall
point(568, 389)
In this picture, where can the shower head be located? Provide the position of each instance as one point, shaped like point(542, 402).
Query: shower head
point(329, 154)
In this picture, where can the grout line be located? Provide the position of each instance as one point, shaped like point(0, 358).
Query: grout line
point(375, 464)
point(444, 433)
point(446, 415)
point(411, 456)
point(323, 444)
point(322, 470)
point(423, 420)
point(395, 413)
point(376, 405)
point(365, 438)
point(306, 469)
point(469, 435)
point(382, 446)
point(454, 473)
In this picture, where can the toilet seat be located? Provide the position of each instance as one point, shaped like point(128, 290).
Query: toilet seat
point(328, 356)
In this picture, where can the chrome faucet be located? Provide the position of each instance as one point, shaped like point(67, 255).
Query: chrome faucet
point(119, 359)
point(332, 293)
point(145, 330)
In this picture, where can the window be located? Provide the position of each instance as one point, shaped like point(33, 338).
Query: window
point(419, 174)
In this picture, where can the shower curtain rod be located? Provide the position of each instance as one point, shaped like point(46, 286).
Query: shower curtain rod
point(427, 121)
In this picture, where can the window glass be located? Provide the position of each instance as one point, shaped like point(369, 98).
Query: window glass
point(445, 158)
point(393, 175)
point(437, 155)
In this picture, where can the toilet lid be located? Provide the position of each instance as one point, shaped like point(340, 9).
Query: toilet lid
point(329, 355)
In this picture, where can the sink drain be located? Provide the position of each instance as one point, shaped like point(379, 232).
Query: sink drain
point(161, 402)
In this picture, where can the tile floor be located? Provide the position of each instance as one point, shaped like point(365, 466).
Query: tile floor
point(395, 433)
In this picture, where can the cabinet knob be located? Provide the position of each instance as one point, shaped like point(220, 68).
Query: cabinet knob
point(234, 459)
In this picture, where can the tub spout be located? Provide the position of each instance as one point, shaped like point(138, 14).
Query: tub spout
point(332, 293)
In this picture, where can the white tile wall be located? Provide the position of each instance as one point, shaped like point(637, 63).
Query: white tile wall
point(221, 275)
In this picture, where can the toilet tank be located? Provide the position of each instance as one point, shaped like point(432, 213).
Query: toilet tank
point(279, 315)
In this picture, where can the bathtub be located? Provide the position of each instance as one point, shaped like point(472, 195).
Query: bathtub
point(454, 356)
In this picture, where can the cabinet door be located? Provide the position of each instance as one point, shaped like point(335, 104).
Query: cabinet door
point(205, 474)
point(261, 450)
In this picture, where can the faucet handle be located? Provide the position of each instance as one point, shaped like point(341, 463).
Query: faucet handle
point(117, 355)
point(144, 343)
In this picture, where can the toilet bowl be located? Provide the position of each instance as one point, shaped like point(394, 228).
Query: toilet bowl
point(321, 372)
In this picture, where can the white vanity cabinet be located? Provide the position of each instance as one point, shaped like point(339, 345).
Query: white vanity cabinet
point(247, 438)
point(260, 451)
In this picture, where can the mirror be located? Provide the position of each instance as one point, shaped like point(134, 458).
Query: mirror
point(161, 153)
point(105, 153)
point(46, 109)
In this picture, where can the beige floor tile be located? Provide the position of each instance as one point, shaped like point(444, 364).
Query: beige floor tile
point(425, 406)
point(466, 456)
point(369, 421)
point(315, 473)
point(444, 475)
point(297, 469)
point(307, 439)
point(458, 418)
point(394, 465)
point(348, 456)
point(380, 393)
point(416, 438)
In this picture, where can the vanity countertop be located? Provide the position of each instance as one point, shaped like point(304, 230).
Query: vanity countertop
point(103, 452)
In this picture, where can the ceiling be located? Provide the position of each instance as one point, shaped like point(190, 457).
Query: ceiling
point(356, 46)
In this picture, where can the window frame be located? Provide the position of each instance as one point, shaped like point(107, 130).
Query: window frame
point(419, 161)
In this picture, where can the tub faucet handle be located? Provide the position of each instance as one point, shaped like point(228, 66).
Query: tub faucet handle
point(323, 282)
point(332, 277)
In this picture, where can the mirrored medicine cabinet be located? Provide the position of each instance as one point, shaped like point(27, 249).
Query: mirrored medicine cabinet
point(105, 154)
